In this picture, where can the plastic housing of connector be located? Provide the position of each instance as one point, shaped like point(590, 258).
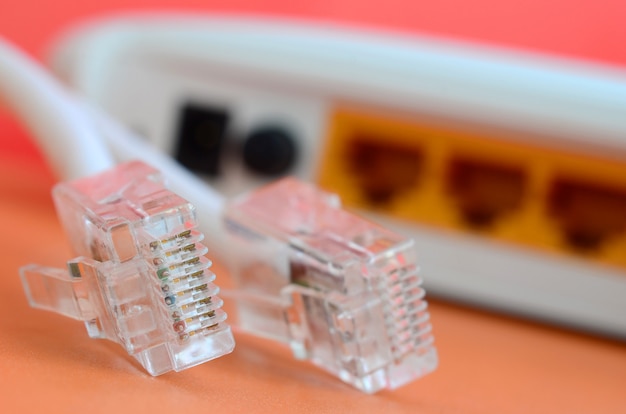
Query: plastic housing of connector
point(141, 279)
point(343, 292)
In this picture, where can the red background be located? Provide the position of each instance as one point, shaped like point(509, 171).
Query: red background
point(583, 28)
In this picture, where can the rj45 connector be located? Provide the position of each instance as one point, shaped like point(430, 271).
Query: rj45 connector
point(141, 279)
point(343, 292)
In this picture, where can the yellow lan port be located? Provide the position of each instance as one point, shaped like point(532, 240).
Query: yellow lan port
point(486, 184)
point(383, 170)
point(590, 215)
point(484, 192)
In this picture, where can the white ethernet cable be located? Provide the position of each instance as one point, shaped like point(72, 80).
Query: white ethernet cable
point(53, 119)
point(341, 291)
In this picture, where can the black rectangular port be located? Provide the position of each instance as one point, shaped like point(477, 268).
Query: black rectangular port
point(200, 138)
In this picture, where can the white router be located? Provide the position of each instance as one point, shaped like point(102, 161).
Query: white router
point(507, 168)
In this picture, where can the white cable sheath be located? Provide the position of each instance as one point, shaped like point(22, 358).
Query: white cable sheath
point(65, 135)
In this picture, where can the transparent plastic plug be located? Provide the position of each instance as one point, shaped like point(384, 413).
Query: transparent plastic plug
point(141, 278)
point(343, 292)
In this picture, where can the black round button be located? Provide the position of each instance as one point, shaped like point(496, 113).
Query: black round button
point(269, 151)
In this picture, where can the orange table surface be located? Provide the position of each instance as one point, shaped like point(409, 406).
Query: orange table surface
point(489, 363)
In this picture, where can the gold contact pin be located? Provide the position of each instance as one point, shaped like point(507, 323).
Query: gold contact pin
point(204, 301)
point(185, 336)
point(207, 315)
point(193, 261)
point(194, 289)
point(189, 262)
point(207, 328)
point(154, 245)
point(188, 248)
point(193, 275)
point(184, 235)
